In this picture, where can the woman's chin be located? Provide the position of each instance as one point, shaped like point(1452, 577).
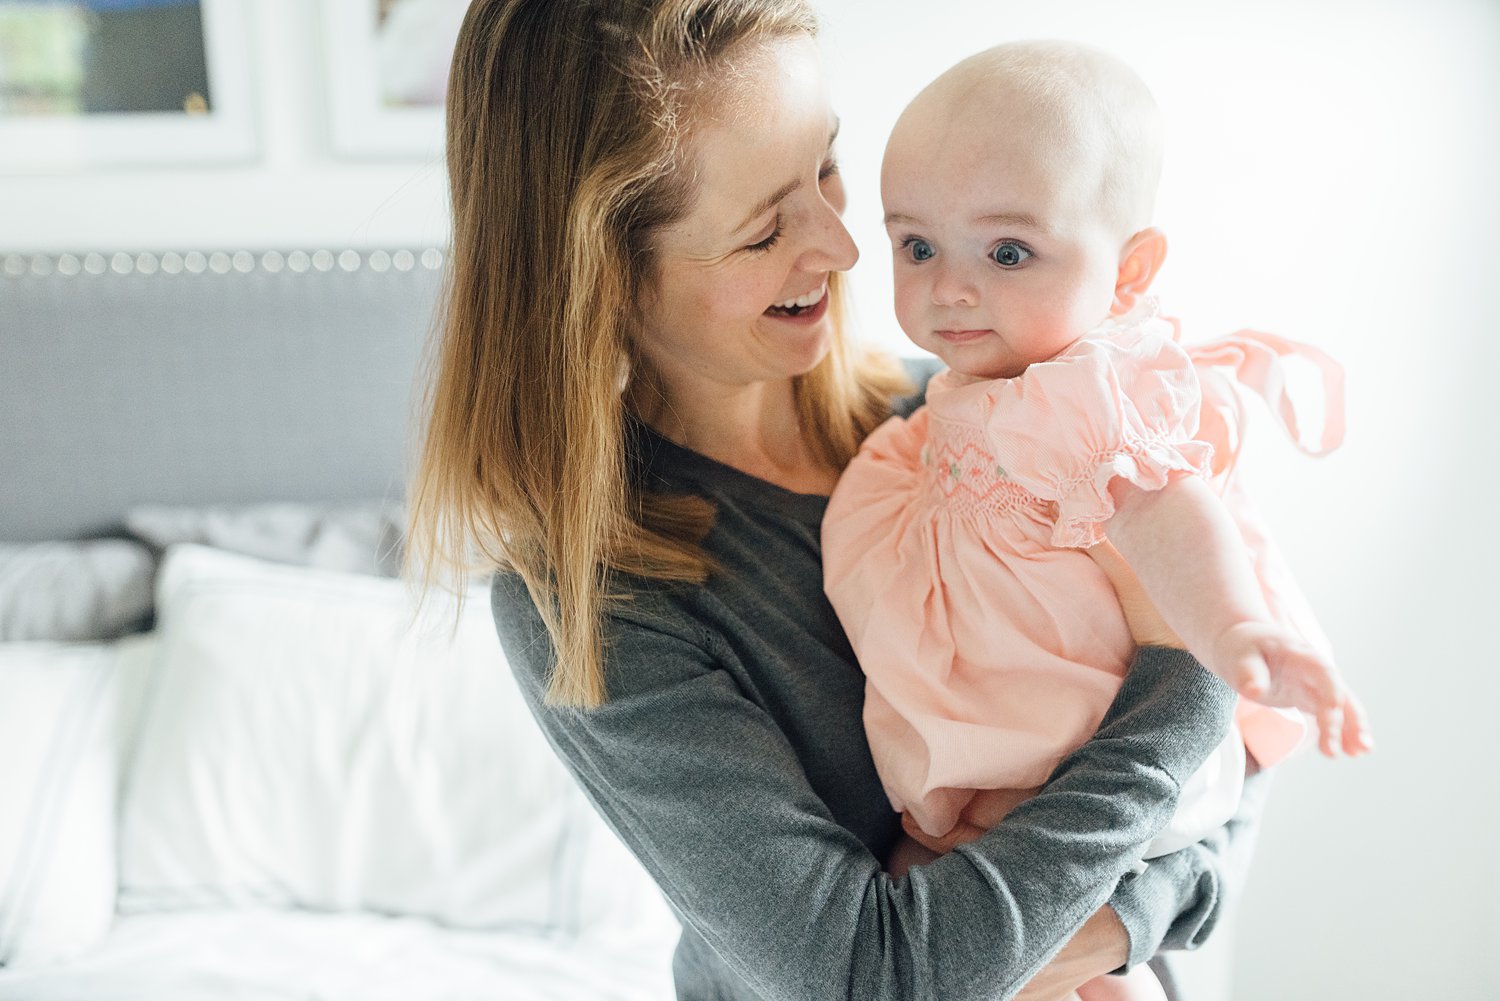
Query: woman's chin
point(797, 348)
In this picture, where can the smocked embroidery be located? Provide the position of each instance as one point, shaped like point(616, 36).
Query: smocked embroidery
point(962, 474)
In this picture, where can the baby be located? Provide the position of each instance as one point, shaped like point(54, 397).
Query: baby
point(1018, 191)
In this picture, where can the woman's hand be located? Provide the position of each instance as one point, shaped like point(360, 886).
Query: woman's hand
point(1100, 946)
point(1147, 627)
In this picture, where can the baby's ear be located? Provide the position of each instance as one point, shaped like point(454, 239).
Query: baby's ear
point(1140, 260)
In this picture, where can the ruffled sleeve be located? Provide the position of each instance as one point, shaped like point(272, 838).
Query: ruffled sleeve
point(1123, 405)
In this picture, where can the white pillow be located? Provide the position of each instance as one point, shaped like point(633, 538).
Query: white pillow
point(64, 716)
point(307, 745)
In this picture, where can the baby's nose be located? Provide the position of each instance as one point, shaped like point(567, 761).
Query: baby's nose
point(954, 286)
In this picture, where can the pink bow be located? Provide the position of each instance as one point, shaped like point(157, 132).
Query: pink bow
point(1255, 359)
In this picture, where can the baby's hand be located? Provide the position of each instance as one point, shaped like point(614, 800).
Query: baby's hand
point(1277, 668)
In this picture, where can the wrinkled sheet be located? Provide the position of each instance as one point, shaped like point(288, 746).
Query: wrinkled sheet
point(284, 955)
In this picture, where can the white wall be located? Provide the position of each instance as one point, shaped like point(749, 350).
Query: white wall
point(1330, 177)
point(296, 194)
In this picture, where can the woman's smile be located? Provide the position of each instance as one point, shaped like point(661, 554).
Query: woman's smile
point(808, 308)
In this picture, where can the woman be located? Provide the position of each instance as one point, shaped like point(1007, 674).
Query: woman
point(640, 400)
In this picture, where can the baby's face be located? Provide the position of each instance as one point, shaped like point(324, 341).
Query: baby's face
point(1002, 254)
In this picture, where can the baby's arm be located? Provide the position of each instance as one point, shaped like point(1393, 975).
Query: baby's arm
point(1188, 554)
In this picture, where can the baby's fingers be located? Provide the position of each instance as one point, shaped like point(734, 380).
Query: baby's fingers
point(1357, 736)
point(1330, 730)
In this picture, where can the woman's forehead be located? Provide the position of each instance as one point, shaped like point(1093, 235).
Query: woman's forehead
point(756, 79)
point(764, 141)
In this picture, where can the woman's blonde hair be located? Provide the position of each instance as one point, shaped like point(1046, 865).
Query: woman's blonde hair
point(566, 123)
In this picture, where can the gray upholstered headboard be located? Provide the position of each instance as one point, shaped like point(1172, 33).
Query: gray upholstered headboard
point(204, 378)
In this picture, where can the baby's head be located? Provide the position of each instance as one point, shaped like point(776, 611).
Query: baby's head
point(1018, 191)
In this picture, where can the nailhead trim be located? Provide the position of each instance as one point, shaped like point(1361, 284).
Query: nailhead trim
point(219, 262)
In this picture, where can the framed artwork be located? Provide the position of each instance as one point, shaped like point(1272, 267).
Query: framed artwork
point(87, 83)
point(387, 70)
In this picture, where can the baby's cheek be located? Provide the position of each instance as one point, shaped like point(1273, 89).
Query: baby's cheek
point(1071, 316)
point(907, 300)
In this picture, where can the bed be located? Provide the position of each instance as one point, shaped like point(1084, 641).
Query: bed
point(238, 763)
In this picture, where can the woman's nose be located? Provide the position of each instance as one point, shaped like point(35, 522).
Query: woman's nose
point(951, 286)
point(831, 247)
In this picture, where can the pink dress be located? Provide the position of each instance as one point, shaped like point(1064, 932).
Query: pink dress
point(953, 552)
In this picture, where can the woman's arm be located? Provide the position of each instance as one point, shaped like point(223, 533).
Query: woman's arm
point(1174, 904)
point(706, 790)
point(1177, 901)
point(1190, 558)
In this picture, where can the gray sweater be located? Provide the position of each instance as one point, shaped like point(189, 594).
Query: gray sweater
point(731, 759)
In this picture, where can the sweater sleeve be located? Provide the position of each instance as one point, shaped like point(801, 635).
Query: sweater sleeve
point(1176, 902)
point(705, 789)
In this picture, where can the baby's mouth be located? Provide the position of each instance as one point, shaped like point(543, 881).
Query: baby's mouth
point(955, 336)
point(807, 301)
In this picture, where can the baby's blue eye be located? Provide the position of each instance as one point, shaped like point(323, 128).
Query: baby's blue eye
point(1009, 254)
point(920, 250)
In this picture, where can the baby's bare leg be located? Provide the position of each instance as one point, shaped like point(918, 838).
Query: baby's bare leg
point(986, 808)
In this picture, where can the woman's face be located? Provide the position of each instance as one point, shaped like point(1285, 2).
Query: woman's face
point(741, 290)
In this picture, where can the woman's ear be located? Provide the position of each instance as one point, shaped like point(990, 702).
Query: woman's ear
point(1139, 262)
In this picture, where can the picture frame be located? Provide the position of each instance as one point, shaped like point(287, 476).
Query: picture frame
point(371, 113)
point(223, 133)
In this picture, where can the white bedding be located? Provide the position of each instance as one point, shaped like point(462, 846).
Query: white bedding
point(274, 955)
point(321, 798)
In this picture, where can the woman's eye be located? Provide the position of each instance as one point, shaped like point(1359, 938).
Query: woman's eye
point(1009, 254)
point(768, 242)
point(829, 169)
point(919, 250)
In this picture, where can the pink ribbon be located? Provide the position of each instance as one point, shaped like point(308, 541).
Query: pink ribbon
point(1255, 360)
